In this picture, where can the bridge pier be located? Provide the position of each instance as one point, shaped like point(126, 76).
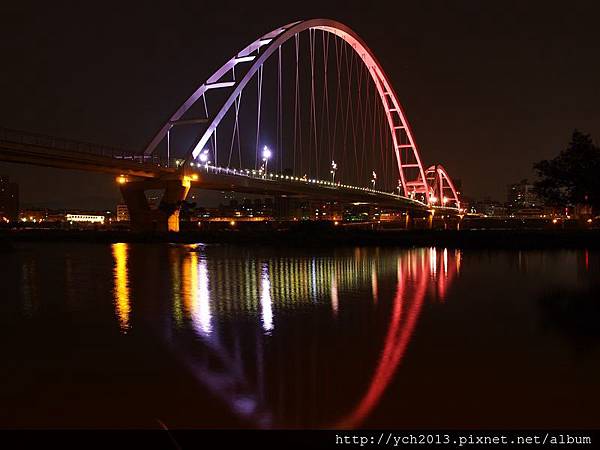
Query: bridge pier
point(164, 218)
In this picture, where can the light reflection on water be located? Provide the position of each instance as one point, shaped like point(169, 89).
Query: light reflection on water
point(347, 337)
point(261, 289)
point(121, 289)
point(265, 300)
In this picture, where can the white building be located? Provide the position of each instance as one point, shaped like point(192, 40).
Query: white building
point(84, 218)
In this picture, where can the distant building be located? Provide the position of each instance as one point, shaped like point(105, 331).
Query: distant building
point(522, 196)
point(84, 218)
point(9, 200)
point(122, 213)
point(34, 215)
point(488, 207)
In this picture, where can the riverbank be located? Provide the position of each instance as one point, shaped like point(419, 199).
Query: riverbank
point(326, 236)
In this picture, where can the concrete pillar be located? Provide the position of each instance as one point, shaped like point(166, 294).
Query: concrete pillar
point(166, 216)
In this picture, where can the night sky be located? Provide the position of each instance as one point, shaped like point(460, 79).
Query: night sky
point(489, 87)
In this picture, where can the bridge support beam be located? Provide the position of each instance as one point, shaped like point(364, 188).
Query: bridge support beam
point(164, 218)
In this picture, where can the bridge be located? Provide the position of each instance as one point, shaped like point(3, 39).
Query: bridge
point(303, 112)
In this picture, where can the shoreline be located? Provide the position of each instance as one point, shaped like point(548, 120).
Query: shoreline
point(328, 236)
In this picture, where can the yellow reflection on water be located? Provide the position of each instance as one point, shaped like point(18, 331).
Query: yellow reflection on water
point(196, 295)
point(121, 288)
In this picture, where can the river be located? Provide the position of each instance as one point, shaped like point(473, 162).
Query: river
point(223, 336)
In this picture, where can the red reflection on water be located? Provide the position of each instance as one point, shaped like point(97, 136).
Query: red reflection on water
point(447, 273)
point(396, 340)
point(587, 260)
point(411, 290)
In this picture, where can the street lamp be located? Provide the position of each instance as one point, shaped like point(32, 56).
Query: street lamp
point(266, 155)
point(204, 158)
point(332, 171)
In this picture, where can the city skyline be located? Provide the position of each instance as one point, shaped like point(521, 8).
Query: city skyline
point(483, 69)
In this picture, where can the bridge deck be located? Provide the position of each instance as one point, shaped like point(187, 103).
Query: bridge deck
point(217, 178)
point(31, 148)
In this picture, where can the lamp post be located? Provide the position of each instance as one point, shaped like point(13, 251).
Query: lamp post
point(332, 171)
point(266, 155)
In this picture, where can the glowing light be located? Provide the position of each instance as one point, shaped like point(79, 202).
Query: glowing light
point(265, 300)
point(232, 223)
point(266, 153)
point(204, 156)
point(195, 177)
point(433, 199)
point(554, 220)
point(589, 221)
point(121, 285)
point(121, 179)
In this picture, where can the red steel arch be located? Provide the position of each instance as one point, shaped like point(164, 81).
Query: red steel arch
point(441, 188)
point(402, 136)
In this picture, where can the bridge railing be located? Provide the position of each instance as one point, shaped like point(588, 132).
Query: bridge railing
point(70, 145)
point(286, 178)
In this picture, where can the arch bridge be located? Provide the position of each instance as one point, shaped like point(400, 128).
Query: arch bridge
point(304, 111)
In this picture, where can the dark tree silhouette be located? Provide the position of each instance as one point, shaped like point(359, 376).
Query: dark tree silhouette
point(573, 177)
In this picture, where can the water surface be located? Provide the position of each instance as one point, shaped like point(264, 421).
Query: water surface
point(217, 336)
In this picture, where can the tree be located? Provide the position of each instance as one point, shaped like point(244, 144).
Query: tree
point(573, 177)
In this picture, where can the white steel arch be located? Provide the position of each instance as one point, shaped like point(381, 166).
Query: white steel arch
point(260, 50)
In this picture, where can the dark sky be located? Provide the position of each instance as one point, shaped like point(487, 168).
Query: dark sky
point(489, 87)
